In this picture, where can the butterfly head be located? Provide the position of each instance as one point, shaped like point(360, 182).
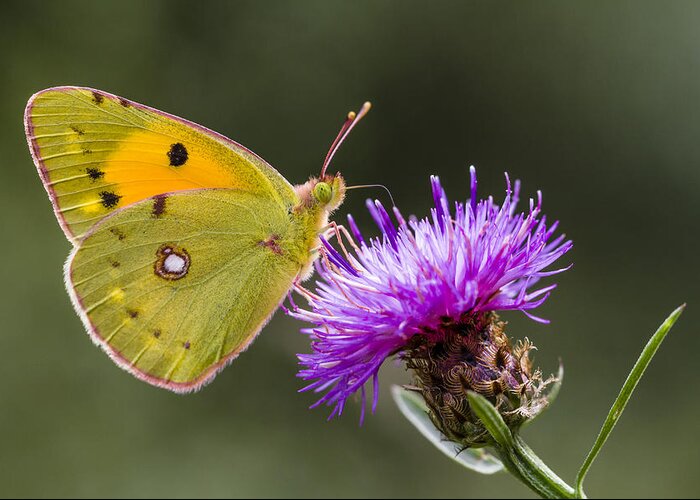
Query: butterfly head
point(326, 193)
point(329, 191)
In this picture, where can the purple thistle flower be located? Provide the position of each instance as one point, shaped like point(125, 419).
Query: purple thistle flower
point(455, 266)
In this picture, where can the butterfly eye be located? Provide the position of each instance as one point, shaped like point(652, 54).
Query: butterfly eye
point(323, 192)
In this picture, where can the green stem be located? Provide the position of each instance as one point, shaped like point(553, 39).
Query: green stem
point(522, 462)
point(516, 456)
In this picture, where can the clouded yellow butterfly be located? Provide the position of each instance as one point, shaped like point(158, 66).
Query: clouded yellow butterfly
point(185, 242)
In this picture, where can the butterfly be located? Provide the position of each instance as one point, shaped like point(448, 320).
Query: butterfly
point(185, 242)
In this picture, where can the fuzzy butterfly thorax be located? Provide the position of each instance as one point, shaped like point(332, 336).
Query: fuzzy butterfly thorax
point(313, 211)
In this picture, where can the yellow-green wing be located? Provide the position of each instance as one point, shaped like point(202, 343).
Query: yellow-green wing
point(97, 153)
point(176, 286)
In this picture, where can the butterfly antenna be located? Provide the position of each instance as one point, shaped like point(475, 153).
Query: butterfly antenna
point(350, 122)
point(375, 186)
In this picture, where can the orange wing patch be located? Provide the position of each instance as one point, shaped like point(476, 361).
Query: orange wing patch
point(97, 153)
point(148, 163)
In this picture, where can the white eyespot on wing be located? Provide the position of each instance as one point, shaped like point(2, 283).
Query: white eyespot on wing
point(174, 264)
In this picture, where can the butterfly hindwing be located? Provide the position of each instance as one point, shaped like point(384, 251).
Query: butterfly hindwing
point(97, 153)
point(175, 286)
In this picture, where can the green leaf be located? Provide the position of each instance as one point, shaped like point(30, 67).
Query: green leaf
point(491, 419)
point(625, 394)
point(414, 409)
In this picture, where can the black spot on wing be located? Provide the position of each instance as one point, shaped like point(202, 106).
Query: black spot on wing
point(77, 130)
point(97, 98)
point(133, 313)
point(94, 173)
point(157, 333)
point(124, 102)
point(159, 205)
point(109, 199)
point(177, 154)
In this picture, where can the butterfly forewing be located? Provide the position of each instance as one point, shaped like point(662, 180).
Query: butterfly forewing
point(97, 153)
point(176, 286)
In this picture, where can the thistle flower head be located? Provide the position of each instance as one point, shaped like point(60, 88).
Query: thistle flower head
point(427, 290)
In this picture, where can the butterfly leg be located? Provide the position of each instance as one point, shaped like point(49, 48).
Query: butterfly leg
point(304, 292)
point(338, 230)
point(311, 296)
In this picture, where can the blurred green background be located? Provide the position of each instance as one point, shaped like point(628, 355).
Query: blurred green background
point(597, 104)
